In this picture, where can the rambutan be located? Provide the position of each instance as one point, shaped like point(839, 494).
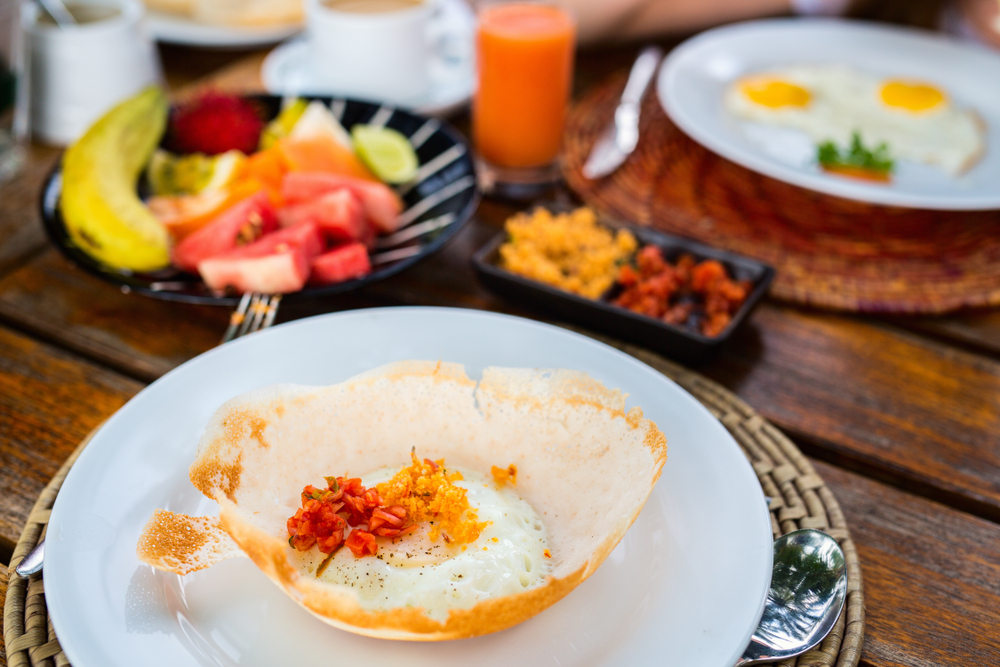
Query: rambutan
point(215, 123)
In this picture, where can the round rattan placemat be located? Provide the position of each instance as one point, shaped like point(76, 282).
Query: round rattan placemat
point(828, 252)
point(799, 499)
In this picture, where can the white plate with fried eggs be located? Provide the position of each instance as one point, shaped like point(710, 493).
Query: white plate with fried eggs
point(764, 94)
point(686, 584)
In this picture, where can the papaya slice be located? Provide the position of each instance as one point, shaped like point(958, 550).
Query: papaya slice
point(267, 167)
point(323, 154)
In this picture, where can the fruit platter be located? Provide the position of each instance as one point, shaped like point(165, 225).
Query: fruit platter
point(225, 195)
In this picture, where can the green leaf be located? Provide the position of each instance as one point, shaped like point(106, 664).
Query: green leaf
point(856, 156)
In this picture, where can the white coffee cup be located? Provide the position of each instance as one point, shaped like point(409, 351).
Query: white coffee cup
point(79, 72)
point(382, 53)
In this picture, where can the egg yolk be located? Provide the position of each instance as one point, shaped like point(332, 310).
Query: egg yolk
point(774, 93)
point(909, 96)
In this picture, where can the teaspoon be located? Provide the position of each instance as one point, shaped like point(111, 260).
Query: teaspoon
point(808, 590)
point(57, 10)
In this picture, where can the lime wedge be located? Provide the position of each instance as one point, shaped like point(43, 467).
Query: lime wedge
point(386, 152)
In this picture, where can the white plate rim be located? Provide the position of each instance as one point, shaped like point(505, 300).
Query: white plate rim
point(698, 48)
point(104, 444)
point(183, 31)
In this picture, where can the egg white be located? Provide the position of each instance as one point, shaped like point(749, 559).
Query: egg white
point(507, 558)
point(844, 101)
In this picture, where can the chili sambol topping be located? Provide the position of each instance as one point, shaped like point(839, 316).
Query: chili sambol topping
point(420, 492)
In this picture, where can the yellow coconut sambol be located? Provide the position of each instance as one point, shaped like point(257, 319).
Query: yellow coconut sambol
point(570, 251)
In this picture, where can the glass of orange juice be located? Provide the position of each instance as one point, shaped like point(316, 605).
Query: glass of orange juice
point(525, 64)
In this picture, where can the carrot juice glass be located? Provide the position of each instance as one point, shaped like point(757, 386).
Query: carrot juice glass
point(525, 61)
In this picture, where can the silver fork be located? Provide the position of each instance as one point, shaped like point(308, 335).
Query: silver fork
point(254, 312)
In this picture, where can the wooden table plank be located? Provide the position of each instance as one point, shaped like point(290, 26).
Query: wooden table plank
point(49, 400)
point(976, 330)
point(931, 576)
point(20, 224)
point(185, 65)
point(912, 411)
point(140, 336)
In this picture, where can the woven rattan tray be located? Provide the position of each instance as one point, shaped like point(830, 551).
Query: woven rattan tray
point(827, 251)
point(800, 499)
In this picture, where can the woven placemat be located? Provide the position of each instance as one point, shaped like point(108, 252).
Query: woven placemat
point(828, 252)
point(799, 499)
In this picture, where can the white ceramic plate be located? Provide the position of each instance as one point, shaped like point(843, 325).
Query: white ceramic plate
point(695, 74)
point(288, 71)
point(179, 30)
point(686, 585)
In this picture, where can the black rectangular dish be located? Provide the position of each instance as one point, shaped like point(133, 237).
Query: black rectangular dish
point(678, 342)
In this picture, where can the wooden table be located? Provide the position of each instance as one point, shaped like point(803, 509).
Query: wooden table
point(901, 417)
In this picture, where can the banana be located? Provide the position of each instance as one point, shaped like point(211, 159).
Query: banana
point(102, 212)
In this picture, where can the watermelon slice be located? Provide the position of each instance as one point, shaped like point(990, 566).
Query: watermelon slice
point(276, 263)
point(342, 263)
point(382, 206)
point(239, 224)
point(339, 215)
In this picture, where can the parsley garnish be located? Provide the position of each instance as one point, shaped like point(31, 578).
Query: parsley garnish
point(857, 156)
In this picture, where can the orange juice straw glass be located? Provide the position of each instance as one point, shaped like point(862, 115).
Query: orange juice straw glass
point(525, 57)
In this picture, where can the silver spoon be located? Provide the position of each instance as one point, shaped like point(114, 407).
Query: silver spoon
point(808, 590)
point(32, 563)
point(57, 10)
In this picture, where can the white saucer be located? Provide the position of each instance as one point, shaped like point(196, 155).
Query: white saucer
point(287, 70)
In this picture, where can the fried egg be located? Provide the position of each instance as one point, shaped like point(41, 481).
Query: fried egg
point(415, 571)
point(915, 119)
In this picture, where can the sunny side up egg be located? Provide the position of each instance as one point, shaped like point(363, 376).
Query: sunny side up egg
point(415, 571)
point(915, 119)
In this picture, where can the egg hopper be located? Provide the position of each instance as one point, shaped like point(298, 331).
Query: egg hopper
point(585, 466)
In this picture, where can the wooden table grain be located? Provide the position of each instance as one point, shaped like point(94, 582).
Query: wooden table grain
point(901, 416)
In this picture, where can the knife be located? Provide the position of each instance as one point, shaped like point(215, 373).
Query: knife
point(620, 137)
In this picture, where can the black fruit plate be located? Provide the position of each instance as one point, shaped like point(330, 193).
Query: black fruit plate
point(437, 205)
point(679, 342)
